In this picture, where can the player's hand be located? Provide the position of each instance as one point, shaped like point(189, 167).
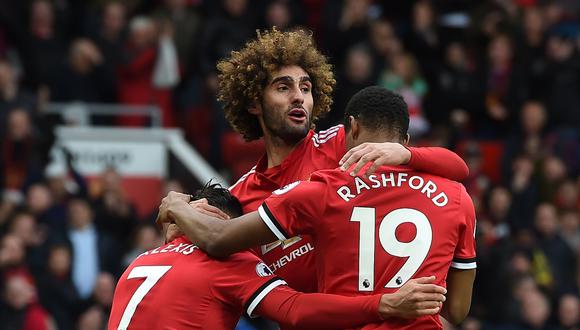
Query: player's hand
point(418, 297)
point(202, 206)
point(386, 153)
point(167, 202)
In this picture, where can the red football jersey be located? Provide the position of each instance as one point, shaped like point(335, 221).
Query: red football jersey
point(373, 235)
point(177, 286)
point(292, 259)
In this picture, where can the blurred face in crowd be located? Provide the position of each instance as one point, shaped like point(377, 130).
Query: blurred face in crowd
point(236, 8)
point(6, 75)
point(533, 117)
point(423, 15)
point(546, 219)
point(554, 169)
point(404, 66)
point(111, 180)
point(383, 38)
point(535, 309)
point(38, 198)
point(24, 226)
point(560, 49)
point(499, 203)
point(500, 50)
point(456, 56)
point(41, 19)
point(522, 286)
point(142, 32)
point(12, 251)
point(84, 56)
point(568, 195)
point(569, 310)
point(570, 222)
point(19, 125)
point(59, 261)
point(114, 18)
point(286, 109)
point(278, 14)
point(92, 319)
point(147, 238)
point(534, 20)
point(175, 4)
point(104, 289)
point(19, 293)
point(80, 214)
point(359, 65)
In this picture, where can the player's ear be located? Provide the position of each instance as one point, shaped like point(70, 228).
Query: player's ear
point(354, 127)
point(255, 110)
point(407, 139)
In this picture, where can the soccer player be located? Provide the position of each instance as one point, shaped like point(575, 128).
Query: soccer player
point(372, 234)
point(276, 87)
point(177, 286)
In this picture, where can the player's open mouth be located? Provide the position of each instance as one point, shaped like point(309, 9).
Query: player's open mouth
point(297, 115)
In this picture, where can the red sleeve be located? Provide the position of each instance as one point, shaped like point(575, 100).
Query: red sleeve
point(244, 280)
point(294, 209)
point(438, 161)
point(318, 310)
point(464, 257)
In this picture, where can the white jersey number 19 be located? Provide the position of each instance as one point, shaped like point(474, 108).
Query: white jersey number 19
point(416, 250)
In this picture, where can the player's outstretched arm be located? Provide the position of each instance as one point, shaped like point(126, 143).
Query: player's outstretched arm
point(416, 298)
point(434, 160)
point(219, 238)
point(459, 286)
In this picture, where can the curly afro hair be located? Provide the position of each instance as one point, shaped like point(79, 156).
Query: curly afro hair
point(244, 75)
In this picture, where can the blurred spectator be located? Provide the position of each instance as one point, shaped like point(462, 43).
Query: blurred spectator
point(24, 226)
point(567, 196)
point(145, 238)
point(12, 255)
point(424, 40)
point(109, 38)
point(477, 183)
point(187, 23)
point(570, 229)
point(21, 160)
point(103, 292)
point(42, 44)
point(92, 319)
point(560, 256)
point(135, 75)
point(569, 312)
point(83, 77)
point(404, 78)
point(563, 82)
point(524, 190)
point(56, 289)
point(536, 311)
point(92, 250)
point(358, 73)
point(11, 95)
point(115, 215)
point(278, 14)
point(503, 84)
point(384, 41)
point(531, 50)
point(22, 312)
point(553, 174)
point(344, 22)
point(457, 93)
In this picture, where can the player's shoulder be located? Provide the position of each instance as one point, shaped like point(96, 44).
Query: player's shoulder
point(325, 137)
point(243, 181)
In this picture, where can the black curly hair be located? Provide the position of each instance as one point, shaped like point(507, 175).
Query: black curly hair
point(219, 197)
point(379, 109)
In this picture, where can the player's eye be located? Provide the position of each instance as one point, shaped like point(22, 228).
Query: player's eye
point(306, 89)
point(282, 88)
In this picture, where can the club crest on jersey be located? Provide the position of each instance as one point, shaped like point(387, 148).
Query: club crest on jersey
point(286, 188)
point(263, 270)
point(286, 243)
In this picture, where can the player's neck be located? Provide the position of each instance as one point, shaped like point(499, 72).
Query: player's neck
point(277, 149)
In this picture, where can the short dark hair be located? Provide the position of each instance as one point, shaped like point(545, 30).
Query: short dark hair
point(377, 108)
point(219, 197)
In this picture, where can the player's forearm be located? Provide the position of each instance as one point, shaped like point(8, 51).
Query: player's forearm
point(438, 161)
point(459, 290)
point(317, 310)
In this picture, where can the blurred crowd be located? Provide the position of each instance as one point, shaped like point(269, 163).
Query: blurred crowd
point(498, 81)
